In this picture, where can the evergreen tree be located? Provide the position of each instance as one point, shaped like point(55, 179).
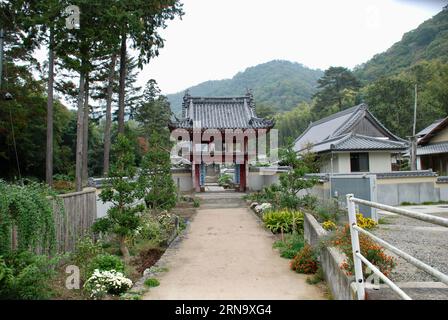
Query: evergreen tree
point(154, 112)
point(123, 217)
point(335, 87)
point(156, 176)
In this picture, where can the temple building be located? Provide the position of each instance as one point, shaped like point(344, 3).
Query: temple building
point(219, 131)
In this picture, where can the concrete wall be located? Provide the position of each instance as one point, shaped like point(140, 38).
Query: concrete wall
point(261, 177)
point(416, 190)
point(321, 190)
point(183, 181)
point(331, 259)
point(258, 180)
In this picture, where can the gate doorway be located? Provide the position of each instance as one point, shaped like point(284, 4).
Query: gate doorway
point(221, 177)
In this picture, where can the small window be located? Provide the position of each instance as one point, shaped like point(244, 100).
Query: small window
point(359, 162)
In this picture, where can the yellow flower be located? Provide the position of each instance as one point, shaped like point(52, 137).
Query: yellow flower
point(329, 225)
point(365, 223)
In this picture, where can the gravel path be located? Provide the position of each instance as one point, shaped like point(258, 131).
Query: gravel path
point(227, 254)
point(425, 241)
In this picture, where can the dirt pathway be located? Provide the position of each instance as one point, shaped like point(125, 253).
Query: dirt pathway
point(227, 254)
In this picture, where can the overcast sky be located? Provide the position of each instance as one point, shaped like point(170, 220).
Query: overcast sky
point(218, 38)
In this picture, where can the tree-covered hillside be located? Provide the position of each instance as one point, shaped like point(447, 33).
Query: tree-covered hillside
point(278, 84)
point(428, 41)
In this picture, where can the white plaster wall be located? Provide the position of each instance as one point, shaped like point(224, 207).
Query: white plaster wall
point(380, 162)
point(343, 161)
point(325, 166)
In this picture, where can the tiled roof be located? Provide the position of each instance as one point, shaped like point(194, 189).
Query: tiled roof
point(429, 128)
point(435, 148)
point(406, 174)
point(324, 128)
point(360, 142)
point(432, 130)
point(336, 126)
point(220, 113)
point(354, 142)
point(379, 175)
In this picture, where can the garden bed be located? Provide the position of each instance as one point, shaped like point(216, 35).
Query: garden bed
point(331, 259)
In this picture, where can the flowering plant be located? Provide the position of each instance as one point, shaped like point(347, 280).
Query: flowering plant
point(329, 225)
point(103, 282)
point(369, 249)
point(365, 223)
point(263, 207)
point(305, 261)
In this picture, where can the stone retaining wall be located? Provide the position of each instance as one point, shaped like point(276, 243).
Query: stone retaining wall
point(330, 258)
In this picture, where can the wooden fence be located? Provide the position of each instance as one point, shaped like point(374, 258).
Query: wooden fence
point(79, 215)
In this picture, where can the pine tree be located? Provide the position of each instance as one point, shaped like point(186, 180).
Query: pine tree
point(156, 176)
point(123, 217)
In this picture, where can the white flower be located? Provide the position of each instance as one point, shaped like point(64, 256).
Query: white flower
point(102, 282)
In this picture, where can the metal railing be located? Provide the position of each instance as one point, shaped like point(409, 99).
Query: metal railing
point(358, 258)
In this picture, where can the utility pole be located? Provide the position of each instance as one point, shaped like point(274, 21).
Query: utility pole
point(2, 35)
point(414, 138)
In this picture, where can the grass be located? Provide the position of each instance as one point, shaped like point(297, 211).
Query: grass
point(383, 220)
point(425, 203)
point(196, 203)
point(152, 282)
point(316, 278)
point(290, 246)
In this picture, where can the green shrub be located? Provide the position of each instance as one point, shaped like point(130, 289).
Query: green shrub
point(317, 277)
point(150, 228)
point(86, 249)
point(283, 221)
point(308, 201)
point(105, 262)
point(29, 209)
point(152, 282)
point(290, 246)
point(305, 261)
point(156, 226)
point(196, 203)
point(225, 180)
point(328, 210)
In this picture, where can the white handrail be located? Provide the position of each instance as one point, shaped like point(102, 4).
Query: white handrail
point(416, 262)
point(358, 258)
point(405, 212)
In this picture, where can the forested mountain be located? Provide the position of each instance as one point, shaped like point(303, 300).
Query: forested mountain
point(428, 41)
point(278, 84)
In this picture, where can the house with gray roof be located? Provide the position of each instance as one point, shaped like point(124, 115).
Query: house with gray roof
point(432, 147)
point(352, 140)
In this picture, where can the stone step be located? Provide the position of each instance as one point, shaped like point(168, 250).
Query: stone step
point(209, 179)
point(229, 199)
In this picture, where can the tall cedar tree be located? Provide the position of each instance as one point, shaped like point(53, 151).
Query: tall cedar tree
point(95, 38)
point(140, 22)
